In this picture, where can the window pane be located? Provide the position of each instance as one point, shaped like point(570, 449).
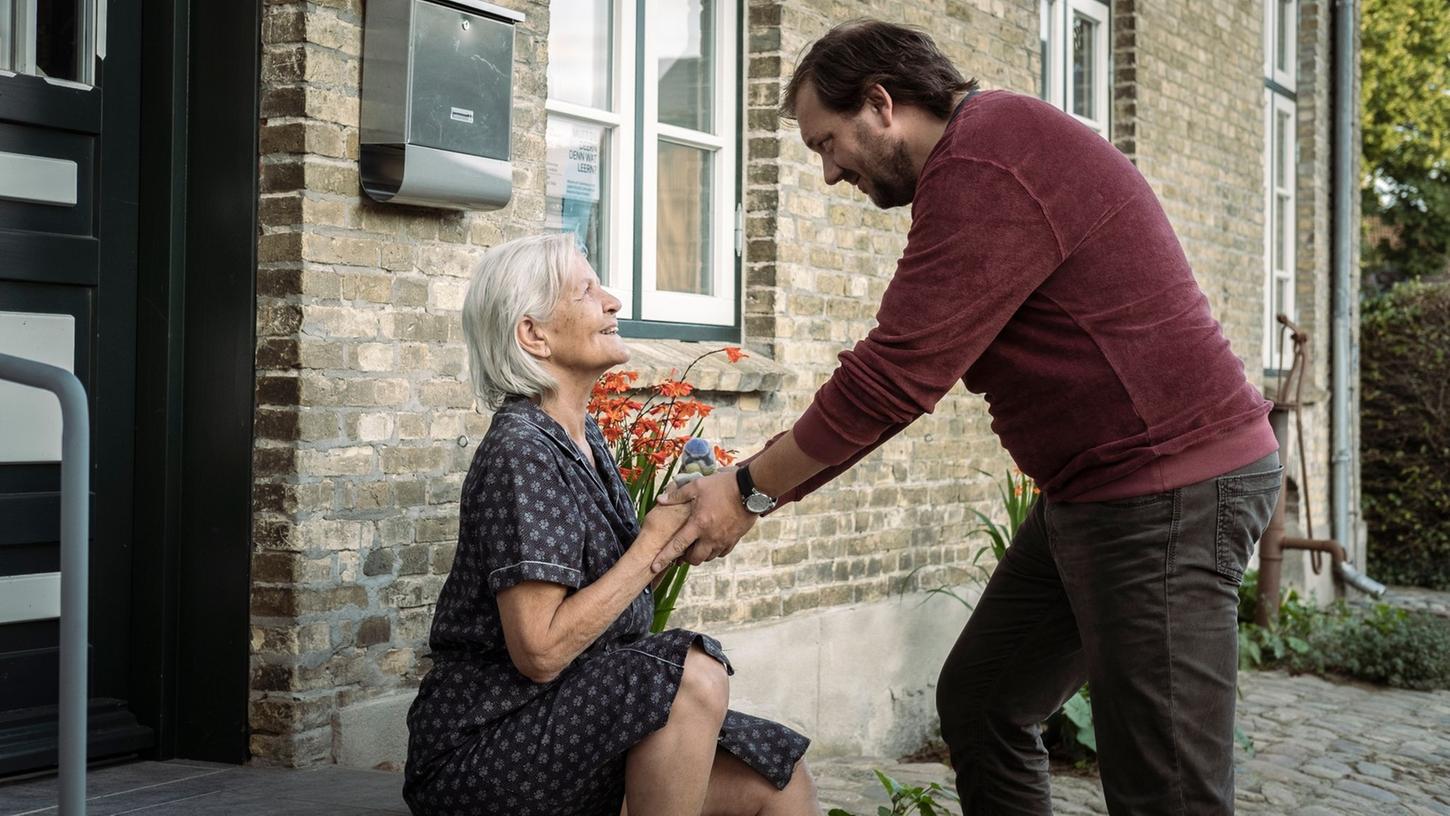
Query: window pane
point(686, 48)
point(7, 35)
point(1282, 155)
point(1084, 62)
point(575, 188)
point(1044, 36)
point(58, 39)
point(580, 52)
point(1283, 45)
point(1281, 296)
point(683, 262)
point(1283, 231)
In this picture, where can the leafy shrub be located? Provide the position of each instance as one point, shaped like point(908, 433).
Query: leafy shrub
point(1405, 431)
point(1390, 646)
point(1380, 644)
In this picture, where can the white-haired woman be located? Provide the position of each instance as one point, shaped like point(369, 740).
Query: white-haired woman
point(547, 694)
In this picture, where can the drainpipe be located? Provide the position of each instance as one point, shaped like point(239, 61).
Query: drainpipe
point(1346, 188)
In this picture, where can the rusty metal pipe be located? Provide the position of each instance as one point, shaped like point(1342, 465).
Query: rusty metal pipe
point(1274, 541)
point(1271, 566)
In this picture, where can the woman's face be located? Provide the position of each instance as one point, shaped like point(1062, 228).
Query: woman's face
point(583, 333)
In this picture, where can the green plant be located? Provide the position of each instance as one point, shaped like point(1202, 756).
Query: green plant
point(1296, 625)
point(906, 800)
point(1405, 430)
point(1379, 643)
point(1390, 646)
point(1079, 712)
point(1018, 491)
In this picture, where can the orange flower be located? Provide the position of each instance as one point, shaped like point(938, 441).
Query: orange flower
point(734, 353)
point(724, 457)
point(675, 388)
point(616, 382)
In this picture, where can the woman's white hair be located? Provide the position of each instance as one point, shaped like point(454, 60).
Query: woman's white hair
point(518, 278)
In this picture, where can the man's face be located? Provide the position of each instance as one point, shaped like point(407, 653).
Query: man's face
point(858, 148)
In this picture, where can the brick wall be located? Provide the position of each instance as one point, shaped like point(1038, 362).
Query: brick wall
point(364, 420)
point(1196, 121)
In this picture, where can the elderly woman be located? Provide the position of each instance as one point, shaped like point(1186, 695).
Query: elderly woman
point(547, 694)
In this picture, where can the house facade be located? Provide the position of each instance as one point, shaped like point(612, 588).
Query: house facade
point(284, 509)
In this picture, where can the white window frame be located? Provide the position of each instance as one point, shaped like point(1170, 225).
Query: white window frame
point(631, 79)
point(1284, 78)
point(1057, 25)
point(1279, 99)
point(717, 309)
point(1276, 104)
point(618, 234)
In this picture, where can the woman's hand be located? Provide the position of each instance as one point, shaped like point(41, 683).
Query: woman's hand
point(661, 522)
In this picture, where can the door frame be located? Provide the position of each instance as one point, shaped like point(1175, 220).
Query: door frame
point(197, 260)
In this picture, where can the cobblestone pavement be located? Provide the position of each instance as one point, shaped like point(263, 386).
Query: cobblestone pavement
point(1321, 748)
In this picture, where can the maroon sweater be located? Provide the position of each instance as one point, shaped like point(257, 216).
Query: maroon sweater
point(1042, 272)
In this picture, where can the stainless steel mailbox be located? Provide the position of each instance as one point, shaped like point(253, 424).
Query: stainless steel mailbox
point(437, 103)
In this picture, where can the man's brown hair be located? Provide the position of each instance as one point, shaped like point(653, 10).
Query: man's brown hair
point(853, 56)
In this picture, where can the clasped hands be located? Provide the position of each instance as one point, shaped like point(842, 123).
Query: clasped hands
point(712, 522)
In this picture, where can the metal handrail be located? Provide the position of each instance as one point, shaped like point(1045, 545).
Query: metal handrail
point(75, 522)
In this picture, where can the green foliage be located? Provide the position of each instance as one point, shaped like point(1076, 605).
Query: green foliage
point(907, 800)
point(1390, 646)
point(1261, 647)
point(1406, 125)
point(1405, 433)
point(1380, 644)
point(1018, 491)
point(1079, 712)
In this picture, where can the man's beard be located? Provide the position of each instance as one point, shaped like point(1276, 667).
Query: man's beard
point(893, 182)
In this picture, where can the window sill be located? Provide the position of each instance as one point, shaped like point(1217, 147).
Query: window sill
point(659, 360)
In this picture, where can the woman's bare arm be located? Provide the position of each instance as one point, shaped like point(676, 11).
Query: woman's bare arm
point(545, 630)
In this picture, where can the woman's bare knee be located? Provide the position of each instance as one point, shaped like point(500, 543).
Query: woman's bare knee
point(705, 685)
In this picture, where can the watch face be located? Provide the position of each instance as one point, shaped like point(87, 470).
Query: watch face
point(758, 503)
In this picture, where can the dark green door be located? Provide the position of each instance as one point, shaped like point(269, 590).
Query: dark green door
point(68, 232)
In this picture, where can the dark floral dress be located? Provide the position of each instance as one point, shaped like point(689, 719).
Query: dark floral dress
point(485, 739)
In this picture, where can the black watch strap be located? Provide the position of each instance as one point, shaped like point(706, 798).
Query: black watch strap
point(750, 495)
point(744, 482)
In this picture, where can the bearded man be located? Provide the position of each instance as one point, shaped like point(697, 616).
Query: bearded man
point(1041, 271)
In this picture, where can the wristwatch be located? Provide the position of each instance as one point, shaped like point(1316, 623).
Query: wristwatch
point(754, 501)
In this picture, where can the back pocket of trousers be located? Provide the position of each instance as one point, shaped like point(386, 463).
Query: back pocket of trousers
point(1245, 503)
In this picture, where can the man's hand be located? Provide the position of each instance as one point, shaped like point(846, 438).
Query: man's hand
point(718, 519)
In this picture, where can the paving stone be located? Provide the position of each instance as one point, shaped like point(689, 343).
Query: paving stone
point(1327, 768)
point(1322, 748)
point(1277, 793)
point(1366, 791)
